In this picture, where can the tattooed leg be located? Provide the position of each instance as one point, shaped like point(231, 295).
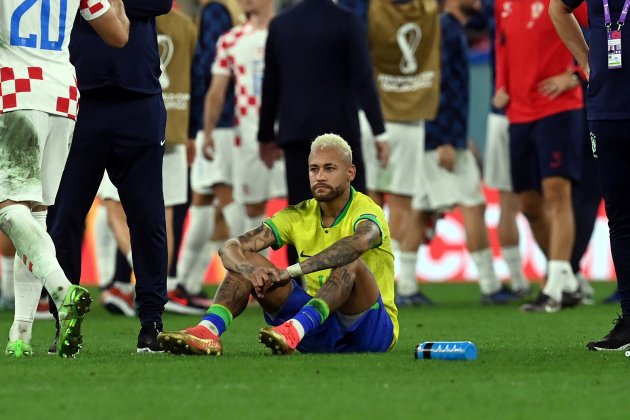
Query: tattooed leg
point(351, 289)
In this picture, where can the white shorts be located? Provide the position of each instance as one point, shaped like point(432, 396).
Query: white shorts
point(34, 147)
point(496, 160)
point(204, 173)
point(253, 181)
point(174, 173)
point(439, 189)
point(406, 145)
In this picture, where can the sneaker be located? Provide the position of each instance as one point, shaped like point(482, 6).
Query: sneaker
point(417, 299)
point(618, 339)
point(542, 303)
point(18, 348)
point(500, 297)
point(192, 341)
point(571, 299)
point(147, 338)
point(614, 298)
point(43, 309)
point(7, 304)
point(282, 339)
point(118, 302)
point(74, 307)
point(182, 302)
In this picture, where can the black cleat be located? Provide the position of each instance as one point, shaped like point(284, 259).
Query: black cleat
point(571, 299)
point(147, 338)
point(542, 303)
point(618, 339)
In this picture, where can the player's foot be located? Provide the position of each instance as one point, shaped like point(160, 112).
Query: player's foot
point(18, 348)
point(282, 339)
point(182, 302)
point(417, 299)
point(618, 339)
point(43, 309)
point(524, 292)
point(148, 338)
point(192, 341)
point(542, 303)
point(571, 299)
point(75, 305)
point(117, 302)
point(614, 298)
point(588, 293)
point(500, 297)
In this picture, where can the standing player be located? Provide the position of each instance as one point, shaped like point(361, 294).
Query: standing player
point(349, 302)
point(38, 107)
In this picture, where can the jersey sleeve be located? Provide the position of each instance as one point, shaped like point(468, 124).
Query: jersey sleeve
point(223, 63)
point(92, 9)
point(282, 224)
point(573, 3)
point(500, 66)
point(372, 218)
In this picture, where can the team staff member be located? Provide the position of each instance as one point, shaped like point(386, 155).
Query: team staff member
point(608, 113)
point(121, 129)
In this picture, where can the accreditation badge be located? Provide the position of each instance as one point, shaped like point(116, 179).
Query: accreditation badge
point(614, 49)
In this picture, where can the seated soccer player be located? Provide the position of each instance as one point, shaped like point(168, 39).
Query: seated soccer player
point(343, 243)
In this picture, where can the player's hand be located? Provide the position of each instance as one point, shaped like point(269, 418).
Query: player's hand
point(446, 157)
point(382, 152)
point(500, 99)
point(269, 153)
point(262, 278)
point(191, 151)
point(554, 86)
point(208, 147)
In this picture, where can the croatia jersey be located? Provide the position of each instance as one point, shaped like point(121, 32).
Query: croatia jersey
point(301, 226)
point(241, 53)
point(35, 69)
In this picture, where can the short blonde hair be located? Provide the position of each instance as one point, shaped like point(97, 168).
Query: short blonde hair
point(333, 141)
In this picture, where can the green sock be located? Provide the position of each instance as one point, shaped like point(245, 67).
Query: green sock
point(320, 306)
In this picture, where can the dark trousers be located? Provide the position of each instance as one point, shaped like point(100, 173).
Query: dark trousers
point(298, 184)
point(122, 132)
point(612, 148)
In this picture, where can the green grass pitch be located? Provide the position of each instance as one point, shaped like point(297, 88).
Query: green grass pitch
point(529, 366)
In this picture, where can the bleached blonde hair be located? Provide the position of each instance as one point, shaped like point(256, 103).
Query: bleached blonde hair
point(333, 141)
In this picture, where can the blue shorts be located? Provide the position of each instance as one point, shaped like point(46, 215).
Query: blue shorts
point(545, 148)
point(373, 332)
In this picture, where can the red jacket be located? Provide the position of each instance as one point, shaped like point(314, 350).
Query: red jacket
point(528, 51)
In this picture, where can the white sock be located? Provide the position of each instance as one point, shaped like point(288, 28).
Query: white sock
point(408, 281)
point(200, 228)
point(27, 292)
point(129, 258)
point(559, 277)
point(395, 246)
point(488, 280)
point(298, 327)
point(209, 325)
point(105, 244)
point(194, 281)
point(6, 288)
point(234, 215)
point(584, 284)
point(512, 257)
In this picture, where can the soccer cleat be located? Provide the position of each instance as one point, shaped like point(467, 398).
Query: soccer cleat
point(148, 338)
point(118, 302)
point(614, 298)
point(588, 293)
point(182, 302)
point(542, 303)
point(500, 297)
point(524, 292)
point(18, 348)
point(571, 299)
point(618, 339)
point(417, 299)
point(192, 341)
point(282, 339)
point(74, 307)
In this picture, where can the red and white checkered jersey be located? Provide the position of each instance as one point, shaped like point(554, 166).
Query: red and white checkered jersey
point(35, 69)
point(241, 52)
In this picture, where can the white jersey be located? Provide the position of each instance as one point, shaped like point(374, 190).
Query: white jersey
point(35, 69)
point(241, 52)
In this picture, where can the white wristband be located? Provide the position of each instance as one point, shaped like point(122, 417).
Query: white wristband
point(383, 137)
point(294, 270)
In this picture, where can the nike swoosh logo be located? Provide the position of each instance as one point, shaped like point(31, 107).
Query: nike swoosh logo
point(303, 255)
point(162, 142)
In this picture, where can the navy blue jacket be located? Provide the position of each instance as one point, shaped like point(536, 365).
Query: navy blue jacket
point(317, 65)
point(136, 67)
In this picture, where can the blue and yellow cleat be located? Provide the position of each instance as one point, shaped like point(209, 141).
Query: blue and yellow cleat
point(18, 348)
point(75, 305)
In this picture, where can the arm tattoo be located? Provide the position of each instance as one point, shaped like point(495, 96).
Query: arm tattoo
point(337, 288)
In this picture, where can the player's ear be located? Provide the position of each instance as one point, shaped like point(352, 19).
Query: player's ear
point(352, 172)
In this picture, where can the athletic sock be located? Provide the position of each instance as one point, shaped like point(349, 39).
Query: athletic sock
point(27, 293)
point(559, 277)
point(193, 282)
point(217, 319)
point(105, 248)
point(311, 316)
point(407, 281)
point(512, 257)
point(234, 215)
point(488, 281)
point(198, 233)
point(6, 288)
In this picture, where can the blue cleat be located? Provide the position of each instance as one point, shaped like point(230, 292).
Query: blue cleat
point(500, 297)
point(417, 299)
point(614, 298)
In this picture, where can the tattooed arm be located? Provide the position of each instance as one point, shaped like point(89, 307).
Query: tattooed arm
point(233, 252)
point(367, 234)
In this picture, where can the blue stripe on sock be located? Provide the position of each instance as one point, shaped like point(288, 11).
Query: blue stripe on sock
point(217, 321)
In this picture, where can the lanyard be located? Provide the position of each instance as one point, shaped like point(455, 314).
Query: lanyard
point(622, 17)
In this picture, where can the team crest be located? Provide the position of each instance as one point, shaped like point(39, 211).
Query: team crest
point(593, 144)
point(166, 48)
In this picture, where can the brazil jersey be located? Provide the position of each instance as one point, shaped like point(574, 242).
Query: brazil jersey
point(301, 226)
